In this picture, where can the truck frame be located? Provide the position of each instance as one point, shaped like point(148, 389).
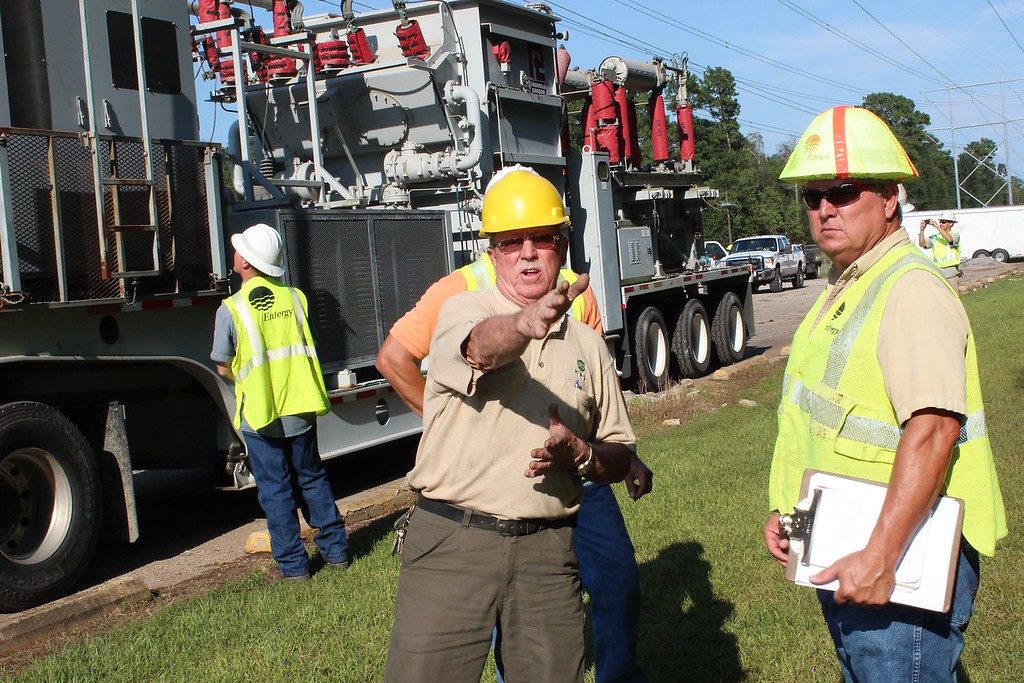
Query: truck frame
point(367, 142)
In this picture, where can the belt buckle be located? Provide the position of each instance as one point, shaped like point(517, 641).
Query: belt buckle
point(508, 527)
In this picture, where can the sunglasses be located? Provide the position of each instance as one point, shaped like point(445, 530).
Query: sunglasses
point(837, 195)
point(513, 245)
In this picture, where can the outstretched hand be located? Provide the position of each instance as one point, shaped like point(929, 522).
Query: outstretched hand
point(561, 451)
point(536, 319)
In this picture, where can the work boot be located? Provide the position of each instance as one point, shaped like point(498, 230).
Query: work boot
point(274, 574)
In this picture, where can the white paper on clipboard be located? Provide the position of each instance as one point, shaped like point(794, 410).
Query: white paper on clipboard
point(844, 518)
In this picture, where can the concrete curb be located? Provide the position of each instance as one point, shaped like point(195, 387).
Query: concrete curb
point(49, 619)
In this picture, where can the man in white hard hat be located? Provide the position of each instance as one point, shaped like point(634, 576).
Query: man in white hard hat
point(521, 405)
point(606, 556)
point(263, 343)
point(944, 246)
point(881, 384)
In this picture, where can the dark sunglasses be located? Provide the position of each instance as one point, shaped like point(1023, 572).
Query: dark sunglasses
point(837, 195)
point(513, 245)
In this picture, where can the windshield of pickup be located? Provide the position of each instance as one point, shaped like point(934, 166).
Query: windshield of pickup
point(755, 244)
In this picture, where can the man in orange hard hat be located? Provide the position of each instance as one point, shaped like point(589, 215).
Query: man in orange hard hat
point(881, 384)
point(607, 562)
point(521, 405)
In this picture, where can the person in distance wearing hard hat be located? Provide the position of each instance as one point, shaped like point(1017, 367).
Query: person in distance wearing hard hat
point(262, 342)
point(882, 384)
point(521, 405)
point(607, 561)
point(945, 246)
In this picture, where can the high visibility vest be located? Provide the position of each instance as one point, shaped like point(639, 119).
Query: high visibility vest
point(276, 368)
point(835, 415)
point(944, 254)
point(480, 275)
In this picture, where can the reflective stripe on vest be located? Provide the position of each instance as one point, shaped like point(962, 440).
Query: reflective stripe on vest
point(480, 275)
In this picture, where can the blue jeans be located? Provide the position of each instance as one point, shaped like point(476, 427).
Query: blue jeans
point(285, 468)
point(898, 643)
point(610, 576)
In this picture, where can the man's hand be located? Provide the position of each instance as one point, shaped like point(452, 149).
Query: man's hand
point(535, 320)
point(923, 224)
point(864, 579)
point(640, 479)
point(562, 450)
point(776, 540)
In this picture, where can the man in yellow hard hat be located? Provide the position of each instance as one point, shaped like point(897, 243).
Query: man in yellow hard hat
point(607, 561)
point(521, 405)
point(882, 384)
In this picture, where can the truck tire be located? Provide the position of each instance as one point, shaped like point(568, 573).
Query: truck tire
point(776, 284)
point(981, 253)
point(691, 341)
point(1000, 255)
point(652, 350)
point(727, 330)
point(49, 505)
point(798, 279)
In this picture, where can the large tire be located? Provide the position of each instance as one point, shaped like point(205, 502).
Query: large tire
point(727, 330)
point(1000, 255)
point(650, 339)
point(981, 253)
point(691, 341)
point(49, 505)
point(798, 279)
point(776, 283)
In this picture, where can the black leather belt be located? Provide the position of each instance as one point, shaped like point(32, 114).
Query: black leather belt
point(478, 520)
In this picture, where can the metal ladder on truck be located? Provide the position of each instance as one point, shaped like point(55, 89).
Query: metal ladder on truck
point(116, 229)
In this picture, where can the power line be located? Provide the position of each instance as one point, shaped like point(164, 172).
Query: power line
point(1000, 16)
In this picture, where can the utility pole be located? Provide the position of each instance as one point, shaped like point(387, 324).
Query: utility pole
point(727, 205)
point(1006, 142)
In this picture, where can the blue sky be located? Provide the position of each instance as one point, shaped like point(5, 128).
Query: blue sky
point(793, 58)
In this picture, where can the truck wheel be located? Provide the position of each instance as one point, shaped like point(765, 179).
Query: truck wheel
point(691, 341)
point(798, 279)
point(1000, 255)
point(651, 342)
point(980, 253)
point(727, 330)
point(776, 283)
point(49, 505)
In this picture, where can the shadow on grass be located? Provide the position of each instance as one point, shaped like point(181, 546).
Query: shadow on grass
point(682, 636)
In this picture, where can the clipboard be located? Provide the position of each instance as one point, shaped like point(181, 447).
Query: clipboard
point(835, 517)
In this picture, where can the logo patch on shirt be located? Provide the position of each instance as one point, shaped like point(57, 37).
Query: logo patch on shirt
point(261, 298)
point(839, 311)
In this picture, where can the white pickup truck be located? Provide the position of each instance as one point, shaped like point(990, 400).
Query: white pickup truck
point(772, 260)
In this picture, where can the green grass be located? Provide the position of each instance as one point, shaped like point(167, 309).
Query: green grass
point(715, 606)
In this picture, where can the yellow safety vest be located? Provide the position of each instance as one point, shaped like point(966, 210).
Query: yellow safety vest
point(276, 368)
point(480, 275)
point(835, 415)
point(944, 254)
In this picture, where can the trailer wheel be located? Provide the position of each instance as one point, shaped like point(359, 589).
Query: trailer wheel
point(652, 350)
point(728, 331)
point(691, 342)
point(776, 283)
point(1000, 255)
point(49, 505)
point(798, 279)
point(980, 253)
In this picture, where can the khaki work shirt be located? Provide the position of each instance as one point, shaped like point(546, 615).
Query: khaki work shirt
point(480, 427)
point(922, 339)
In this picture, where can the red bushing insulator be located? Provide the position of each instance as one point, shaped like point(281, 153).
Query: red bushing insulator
point(333, 54)
point(359, 47)
point(410, 39)
point(282, 19)
point(684, 118)
point(659, 126)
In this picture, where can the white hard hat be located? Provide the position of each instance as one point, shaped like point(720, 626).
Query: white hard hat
point(902, 197)
point(947, 216)
point(261, 246)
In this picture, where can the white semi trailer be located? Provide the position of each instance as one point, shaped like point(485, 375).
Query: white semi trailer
point(367, 141)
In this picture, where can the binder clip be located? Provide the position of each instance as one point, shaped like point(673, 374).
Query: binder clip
point(799, 524)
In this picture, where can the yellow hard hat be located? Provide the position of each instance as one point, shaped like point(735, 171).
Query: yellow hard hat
point(521, 199)
point(848, 142)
